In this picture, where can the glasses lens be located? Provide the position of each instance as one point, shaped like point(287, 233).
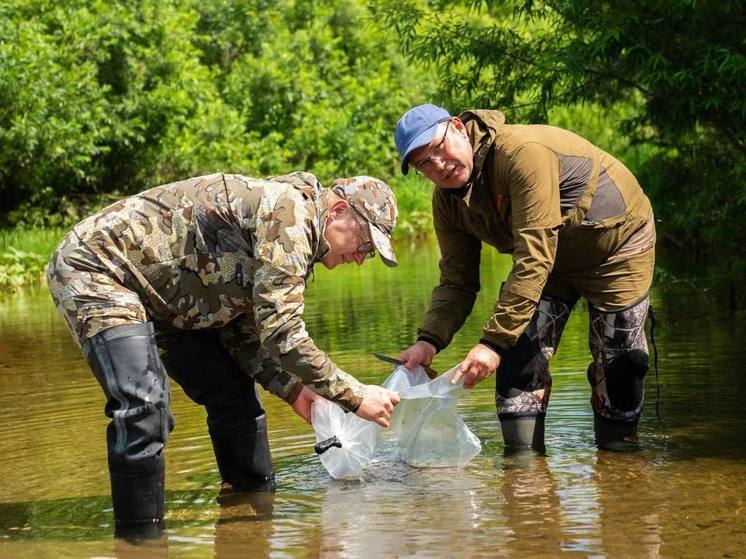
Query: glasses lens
point(367, 249)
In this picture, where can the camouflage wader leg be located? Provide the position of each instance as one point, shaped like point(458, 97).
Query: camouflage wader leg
point(124, 359)
point(617, 373)
point(235, 419)
point(523, 379)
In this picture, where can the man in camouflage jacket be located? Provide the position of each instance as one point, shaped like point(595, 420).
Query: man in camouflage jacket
point(204, 279)
point(577, 225)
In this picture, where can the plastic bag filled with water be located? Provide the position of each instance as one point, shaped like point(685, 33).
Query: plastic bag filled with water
point(426, 424)
point(426, 429)
point(345, 442)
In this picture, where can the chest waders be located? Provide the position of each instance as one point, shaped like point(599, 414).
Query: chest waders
point(126, 362)
point(616, 374)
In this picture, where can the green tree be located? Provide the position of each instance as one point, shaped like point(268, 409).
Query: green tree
point(99, 97)
point(678, 64)
point(323, 91)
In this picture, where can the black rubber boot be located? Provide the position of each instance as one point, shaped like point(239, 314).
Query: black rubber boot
point(138, 499)
point(243, 455)
point(124, 359)
point(616, 436)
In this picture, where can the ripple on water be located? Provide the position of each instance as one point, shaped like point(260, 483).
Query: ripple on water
point(683, 490)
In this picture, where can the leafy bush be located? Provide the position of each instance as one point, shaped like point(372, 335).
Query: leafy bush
point(18, 269)
point(670, 75)
point(100, 97)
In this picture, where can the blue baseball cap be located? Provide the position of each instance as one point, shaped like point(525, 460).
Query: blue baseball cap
point(416, 129)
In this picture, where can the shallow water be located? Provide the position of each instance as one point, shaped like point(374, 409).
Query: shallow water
point(681, 495)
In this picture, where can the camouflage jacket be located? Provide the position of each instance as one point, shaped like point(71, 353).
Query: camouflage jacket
point(222, 250)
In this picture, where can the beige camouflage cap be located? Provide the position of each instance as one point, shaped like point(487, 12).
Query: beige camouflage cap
point(375, 202)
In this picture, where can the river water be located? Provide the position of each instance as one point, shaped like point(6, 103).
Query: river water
point(681, 495)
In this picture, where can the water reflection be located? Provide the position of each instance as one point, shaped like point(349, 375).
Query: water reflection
point(683, 488)
point(245, 523)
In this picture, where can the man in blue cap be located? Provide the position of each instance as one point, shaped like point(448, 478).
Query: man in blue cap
point(576, 223)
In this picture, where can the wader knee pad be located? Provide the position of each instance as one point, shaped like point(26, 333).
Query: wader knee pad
point(625, 379)
point(523, 381)
point(243, 456)
point(522, 431)
point(522, 365)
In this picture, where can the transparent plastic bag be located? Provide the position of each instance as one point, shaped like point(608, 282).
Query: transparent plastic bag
point(426, 429)
point(426, 424)
point(356, 437)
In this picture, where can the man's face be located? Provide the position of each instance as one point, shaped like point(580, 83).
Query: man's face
point(348, 240)
point(448, 159)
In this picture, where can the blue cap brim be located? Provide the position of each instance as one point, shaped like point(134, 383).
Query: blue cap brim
point(422, 139)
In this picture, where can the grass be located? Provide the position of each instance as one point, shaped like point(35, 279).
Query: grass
point(24, 253)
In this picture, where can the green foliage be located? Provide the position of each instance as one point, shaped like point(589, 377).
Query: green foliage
point(600, 124)
point(685, 59)
point(677, 69)
point(99, 97)
point(700, 196)
point(18, 268)
point(323, 94)
point(413, 195)
point(24, 254)
point(53, 115)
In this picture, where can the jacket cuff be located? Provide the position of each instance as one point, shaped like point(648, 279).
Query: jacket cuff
point(432, 341)
point(344, 390)
point(493, 346)
point(294, 393)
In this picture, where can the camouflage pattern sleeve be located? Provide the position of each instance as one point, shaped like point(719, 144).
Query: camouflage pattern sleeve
point(240, 338)
point(283, 251)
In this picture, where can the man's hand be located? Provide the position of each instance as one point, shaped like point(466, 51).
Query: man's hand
point(421, 353)
point(377, 405)
point(302, 404)
point(477, 366)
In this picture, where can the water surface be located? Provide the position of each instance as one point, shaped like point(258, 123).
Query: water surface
point(681, 495)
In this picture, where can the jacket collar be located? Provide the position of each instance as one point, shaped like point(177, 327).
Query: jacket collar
point(482, 127)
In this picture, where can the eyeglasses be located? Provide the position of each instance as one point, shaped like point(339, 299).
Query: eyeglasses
point(367, 247)
point(436, 153)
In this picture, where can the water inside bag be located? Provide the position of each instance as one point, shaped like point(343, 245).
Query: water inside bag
point(426, 429)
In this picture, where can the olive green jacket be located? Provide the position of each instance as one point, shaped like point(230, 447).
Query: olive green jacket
point(553, 200)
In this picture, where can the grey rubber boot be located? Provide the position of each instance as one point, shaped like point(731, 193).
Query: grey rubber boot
point(523, 432)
